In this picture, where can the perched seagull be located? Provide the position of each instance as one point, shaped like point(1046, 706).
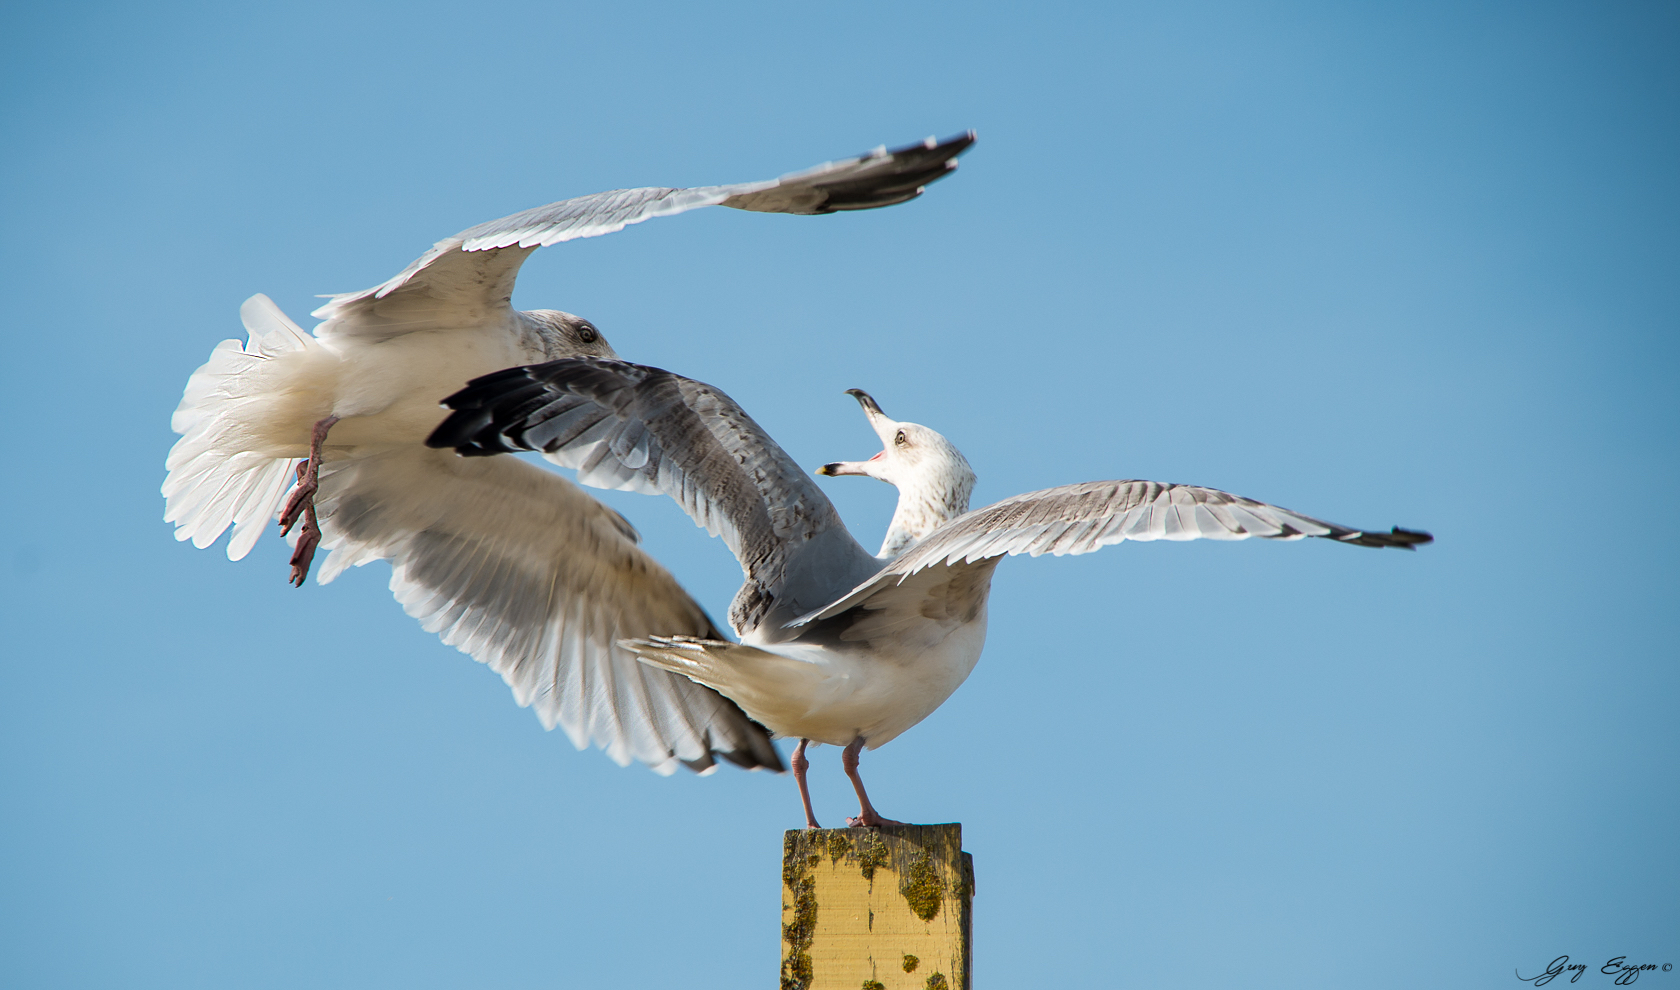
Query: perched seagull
point(509, 562)
point(836, 645)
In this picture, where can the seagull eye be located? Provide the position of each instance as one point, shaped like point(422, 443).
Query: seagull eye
point(588, 334)
point(900, 439)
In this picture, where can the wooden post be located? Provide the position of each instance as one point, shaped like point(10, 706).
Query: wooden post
point(876, 909)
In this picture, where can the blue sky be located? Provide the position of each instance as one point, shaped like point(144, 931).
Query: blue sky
point(1383, 263)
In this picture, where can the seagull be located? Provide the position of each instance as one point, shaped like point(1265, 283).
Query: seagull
point(507, 561)
point(836, 645)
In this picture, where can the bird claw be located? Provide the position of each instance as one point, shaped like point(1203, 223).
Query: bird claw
point(303, 498)
point(304, 554)
point(870, 819)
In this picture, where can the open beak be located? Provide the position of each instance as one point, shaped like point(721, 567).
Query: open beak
point(835, 469)
point(883, 427)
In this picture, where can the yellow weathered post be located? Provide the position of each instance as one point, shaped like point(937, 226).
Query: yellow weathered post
point(876, 909)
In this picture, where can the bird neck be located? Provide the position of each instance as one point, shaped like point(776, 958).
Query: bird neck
point(921, 510)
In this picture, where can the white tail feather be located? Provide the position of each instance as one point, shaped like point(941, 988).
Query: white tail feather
point(212, 482)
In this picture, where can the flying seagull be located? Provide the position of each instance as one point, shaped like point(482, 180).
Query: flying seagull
point(836, 645)
point(509, 562)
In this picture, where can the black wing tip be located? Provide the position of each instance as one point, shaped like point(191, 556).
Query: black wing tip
point(455, 431)
point(951, 146)
point(1410, 539)
point(765, 757)
point(758, 751)
point(1395, 539)
point(910, 170)
point(471, 426)
point(488, 413)
point(746, 759)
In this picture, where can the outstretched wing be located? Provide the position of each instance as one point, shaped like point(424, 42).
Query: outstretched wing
point(632, 427)
point(1081, 518)
point(526, 573)
point(467, 279)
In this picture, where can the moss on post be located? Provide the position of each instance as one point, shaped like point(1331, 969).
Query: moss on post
point(864, 908)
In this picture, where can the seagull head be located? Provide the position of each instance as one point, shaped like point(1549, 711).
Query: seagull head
point(932, 476)
point(564, 335)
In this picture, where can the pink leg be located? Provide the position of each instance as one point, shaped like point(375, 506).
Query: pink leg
point(309, 537)
point(800, 765)
point(866, 814)
point(302, 503)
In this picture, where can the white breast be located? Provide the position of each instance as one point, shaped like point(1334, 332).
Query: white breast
point(877, 693)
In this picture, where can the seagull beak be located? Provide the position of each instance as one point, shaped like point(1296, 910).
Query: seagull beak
point(883, 427)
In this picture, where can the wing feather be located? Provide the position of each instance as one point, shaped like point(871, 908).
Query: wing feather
point(467, 279)
point(520, 569)
point(1076, 519)
point(633, 427)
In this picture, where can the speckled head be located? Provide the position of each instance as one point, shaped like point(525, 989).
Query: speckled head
point(564, 335)
point(933, 478)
